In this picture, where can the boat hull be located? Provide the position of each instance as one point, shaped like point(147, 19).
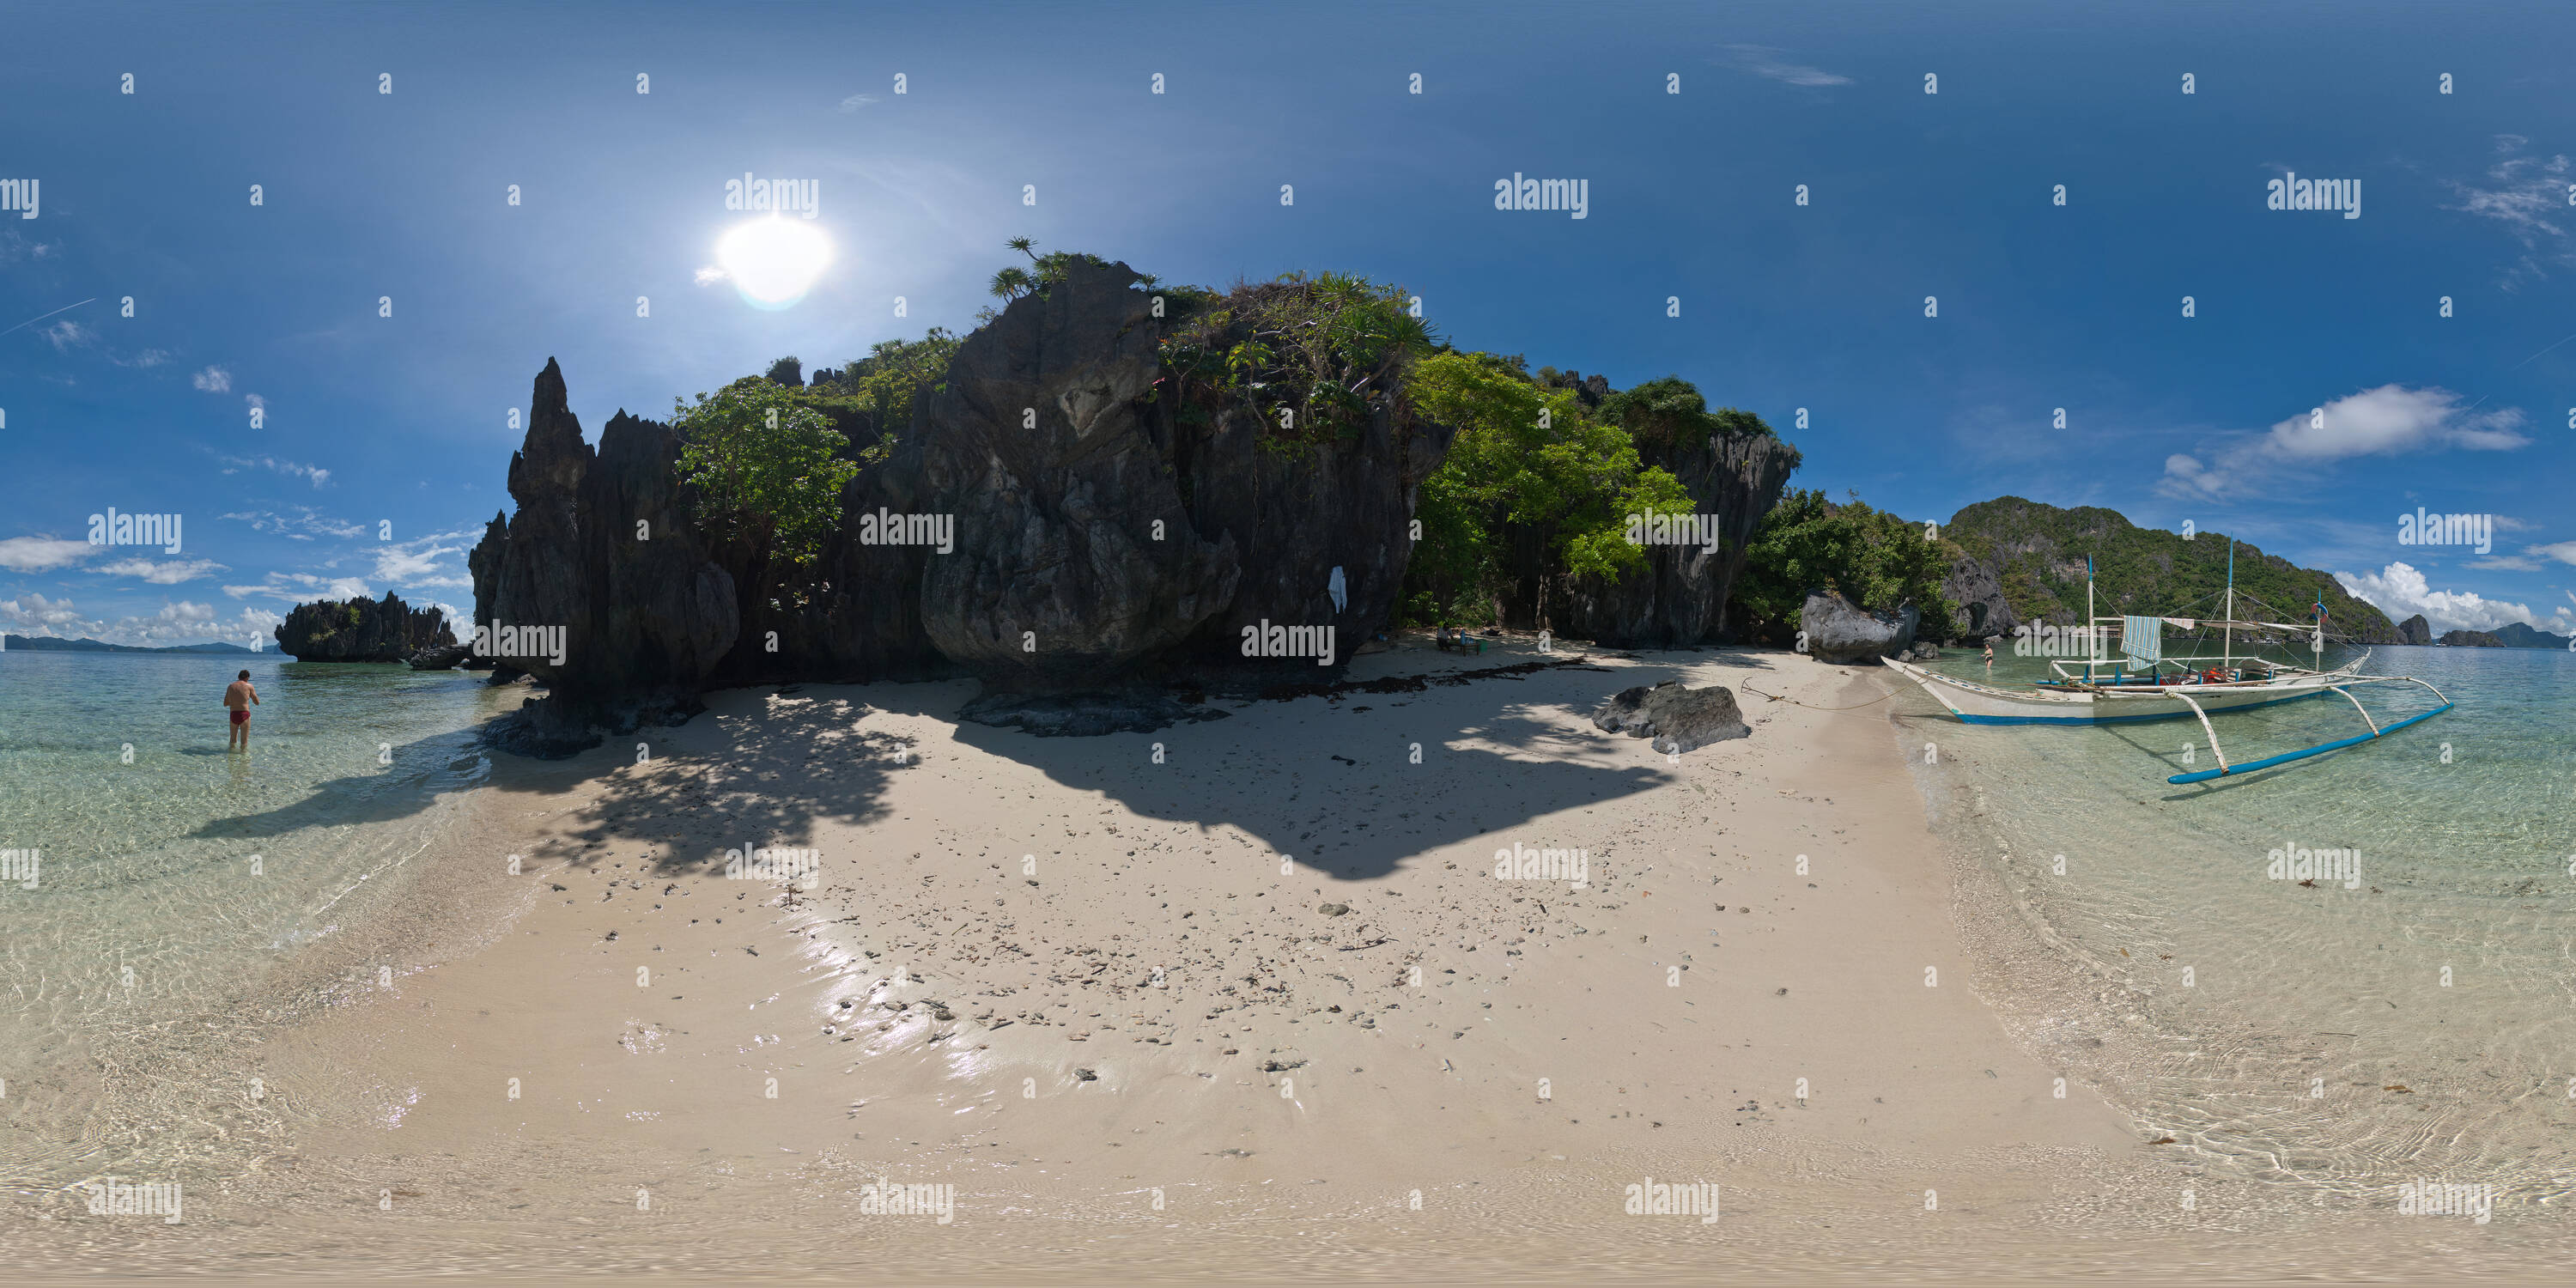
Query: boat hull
point(1981, 704)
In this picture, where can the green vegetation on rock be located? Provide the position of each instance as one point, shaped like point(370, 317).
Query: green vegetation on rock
point(767, 467)
point(2038, 553)
point(1874, 558)
point(1316, 356)
point(1529, 462)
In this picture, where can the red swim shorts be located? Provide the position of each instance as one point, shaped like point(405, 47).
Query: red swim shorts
point(241, 715)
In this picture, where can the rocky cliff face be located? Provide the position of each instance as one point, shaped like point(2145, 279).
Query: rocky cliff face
point(1294, 519)
point(2415, 630)
point(1679, 597)
point(1093, 540)
point(1980, 609)
point(361, 630)
point(1037, 444)
point(1838, 630)
point(630, 610)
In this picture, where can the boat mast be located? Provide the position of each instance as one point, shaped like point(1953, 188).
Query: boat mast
point(2092, 628)
point(2227, 649)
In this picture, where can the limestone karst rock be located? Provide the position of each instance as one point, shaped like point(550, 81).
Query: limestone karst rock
point(361, 630)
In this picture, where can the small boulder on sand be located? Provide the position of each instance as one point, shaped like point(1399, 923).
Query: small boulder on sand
point(1677, 718)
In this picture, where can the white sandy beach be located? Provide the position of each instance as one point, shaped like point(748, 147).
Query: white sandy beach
point(1074, 984)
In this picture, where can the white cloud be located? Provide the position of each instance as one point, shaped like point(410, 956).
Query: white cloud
point(184, 622)
point(2527, 194)
point(2532, 558)
point(147, 358)
point(710, 273)
point(36, 611)
point(299, 586)
point(167, 573)
point(43, 554)
point(416, 563)
point(2401, 592)
point(213, 380)
point(1765, 61)
point(67, 333)
point(15, 246)
point(856, 101)
point(291, 469)
point(2387, 421)
point(304, 524)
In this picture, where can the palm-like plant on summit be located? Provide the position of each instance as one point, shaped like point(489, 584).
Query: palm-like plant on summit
point(1012, 283)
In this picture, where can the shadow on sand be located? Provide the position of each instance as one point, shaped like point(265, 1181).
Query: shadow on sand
point(1332, 782)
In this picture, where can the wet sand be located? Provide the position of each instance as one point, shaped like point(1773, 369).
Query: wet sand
point(1073, 983)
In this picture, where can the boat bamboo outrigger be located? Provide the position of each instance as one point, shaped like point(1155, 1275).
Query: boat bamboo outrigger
point(2142, 684)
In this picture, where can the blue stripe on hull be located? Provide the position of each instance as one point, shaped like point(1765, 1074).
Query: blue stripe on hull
point(2184, 714)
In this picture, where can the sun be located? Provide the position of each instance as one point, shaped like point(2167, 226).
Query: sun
point(774, 261)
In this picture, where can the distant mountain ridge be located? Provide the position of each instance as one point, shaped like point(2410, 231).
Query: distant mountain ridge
point(2523, 635)
point(57, 644)
point(2025, 563)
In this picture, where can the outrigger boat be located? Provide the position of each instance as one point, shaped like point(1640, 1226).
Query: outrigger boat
point(2143, 684)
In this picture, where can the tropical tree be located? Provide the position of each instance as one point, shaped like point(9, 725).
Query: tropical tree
point(1874, 558)
point(1529, 460)
point(766, 468)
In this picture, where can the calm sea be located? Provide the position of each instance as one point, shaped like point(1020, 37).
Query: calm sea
point(2410, 1016)
point(176, 889)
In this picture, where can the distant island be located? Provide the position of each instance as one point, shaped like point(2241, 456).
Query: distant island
point(364, 630)
point(2416, 630)
point(56, 644)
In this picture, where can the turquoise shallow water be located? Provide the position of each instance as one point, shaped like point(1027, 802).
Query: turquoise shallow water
point(2419, 1024)
point(178, 887)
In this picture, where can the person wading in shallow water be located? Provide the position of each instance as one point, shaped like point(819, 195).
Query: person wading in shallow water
point(1990, 654)
point(239, 698)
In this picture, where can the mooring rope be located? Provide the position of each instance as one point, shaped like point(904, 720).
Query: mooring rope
point(1813, 707)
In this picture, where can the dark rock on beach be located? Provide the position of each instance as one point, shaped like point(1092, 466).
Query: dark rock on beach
point(1298, 519)
point(1045, 451)
point(442, 658)
point(1058, 581)
point(1677, 718)
point(646, 612)
point(1839, 630)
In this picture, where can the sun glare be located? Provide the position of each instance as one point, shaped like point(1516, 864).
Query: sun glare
point(774, 261)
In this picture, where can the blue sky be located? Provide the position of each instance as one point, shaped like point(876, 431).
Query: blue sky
point(399, 425)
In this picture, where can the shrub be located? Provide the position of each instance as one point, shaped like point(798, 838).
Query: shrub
point(1526, 456)
point(1875, 558)
point(767, 468)
point(1317, 357)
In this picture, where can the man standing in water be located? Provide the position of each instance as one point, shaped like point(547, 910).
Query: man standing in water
point(240, 697)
